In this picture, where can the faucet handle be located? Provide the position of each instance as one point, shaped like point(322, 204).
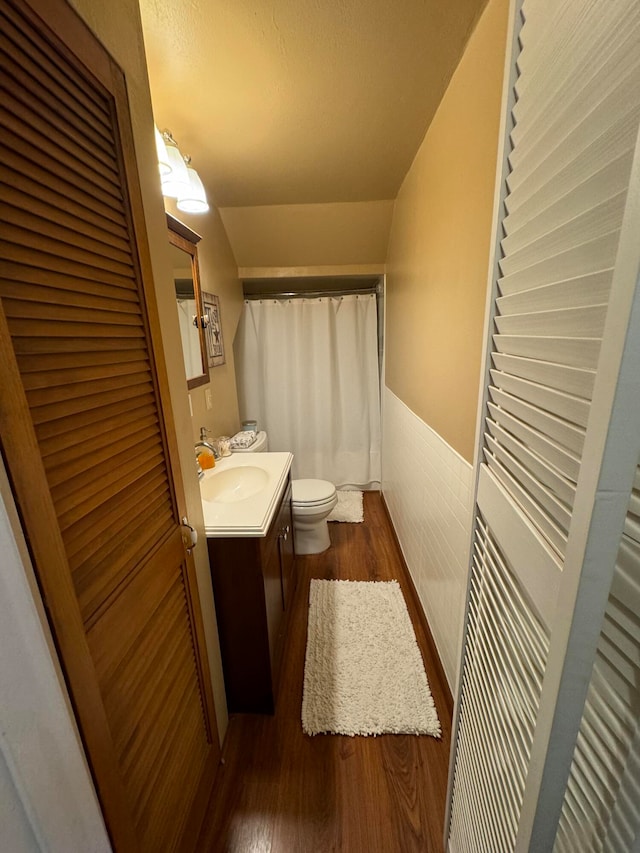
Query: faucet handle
point(203, 433)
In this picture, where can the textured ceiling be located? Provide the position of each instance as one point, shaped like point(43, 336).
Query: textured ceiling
point(301, 101)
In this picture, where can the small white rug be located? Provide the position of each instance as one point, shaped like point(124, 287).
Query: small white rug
point(348, 508)
point(363, 671)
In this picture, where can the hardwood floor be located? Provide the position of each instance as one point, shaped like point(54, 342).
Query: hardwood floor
point(280, 791)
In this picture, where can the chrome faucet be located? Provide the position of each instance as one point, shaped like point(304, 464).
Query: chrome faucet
point(204, 443)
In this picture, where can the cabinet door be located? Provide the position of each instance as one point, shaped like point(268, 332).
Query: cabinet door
point(286, 550)
point(273, 595)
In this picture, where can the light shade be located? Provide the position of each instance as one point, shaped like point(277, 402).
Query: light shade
point(193, 199)
point(163, 158)
point(176, 182)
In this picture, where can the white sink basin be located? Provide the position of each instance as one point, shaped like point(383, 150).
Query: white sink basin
point(240, 495)
point(234, 484)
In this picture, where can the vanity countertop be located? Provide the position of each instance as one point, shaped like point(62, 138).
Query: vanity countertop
point(233, 515)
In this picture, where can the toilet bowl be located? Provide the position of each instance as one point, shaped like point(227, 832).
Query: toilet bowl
point(311, 503)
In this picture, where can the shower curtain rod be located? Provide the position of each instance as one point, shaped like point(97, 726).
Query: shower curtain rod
point(311, 294)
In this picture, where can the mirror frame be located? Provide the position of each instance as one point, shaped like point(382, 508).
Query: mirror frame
point(182, 237)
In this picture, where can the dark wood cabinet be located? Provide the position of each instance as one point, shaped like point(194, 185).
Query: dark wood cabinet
point(253, 584)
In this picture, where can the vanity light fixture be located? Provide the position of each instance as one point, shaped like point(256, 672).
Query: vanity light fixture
point(193, 200)
point(178, 178)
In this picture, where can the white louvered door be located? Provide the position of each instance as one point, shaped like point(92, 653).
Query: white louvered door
point(601, 807)
point(557, 446)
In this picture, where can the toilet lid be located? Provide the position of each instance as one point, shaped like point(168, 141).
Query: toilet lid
point(312, 491)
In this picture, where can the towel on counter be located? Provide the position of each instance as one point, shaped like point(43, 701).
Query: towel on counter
point(243, 439)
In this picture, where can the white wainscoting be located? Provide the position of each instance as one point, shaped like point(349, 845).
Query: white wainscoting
point(427, 487)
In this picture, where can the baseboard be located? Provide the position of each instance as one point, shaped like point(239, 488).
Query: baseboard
point(421, 615)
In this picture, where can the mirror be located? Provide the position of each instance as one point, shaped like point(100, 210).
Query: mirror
point(184, 263)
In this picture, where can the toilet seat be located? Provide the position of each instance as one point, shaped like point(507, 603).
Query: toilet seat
point(312, 493)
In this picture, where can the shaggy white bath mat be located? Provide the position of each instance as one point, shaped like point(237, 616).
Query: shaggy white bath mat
point(348, 508)
point(363, 671)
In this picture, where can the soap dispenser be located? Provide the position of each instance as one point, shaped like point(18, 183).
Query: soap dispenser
point(205, 452)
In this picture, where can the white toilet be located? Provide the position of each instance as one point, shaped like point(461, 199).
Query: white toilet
point(311, 503)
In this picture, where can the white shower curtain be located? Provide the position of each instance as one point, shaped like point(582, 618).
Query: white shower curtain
point(308, 373)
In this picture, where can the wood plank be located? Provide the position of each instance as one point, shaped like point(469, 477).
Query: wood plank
point(87, 177)
point(52, 228)
point(66, 134)
point(95, 531)
point(97, 585)
point(89, 461)
point(32, 78)
point(34, 346)
point(28, 40)
point(29, 197)
point(61, 428)
point(30, 283)
point(30, 256)
point(59, 410)
point(282, 790)
point(57, 394)
point(100, 436)
point(40, 236)
point(40, 180)
point(90, 373)
point(84, 501)
point(65, 361)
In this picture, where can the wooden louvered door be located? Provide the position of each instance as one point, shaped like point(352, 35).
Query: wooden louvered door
point(86, 433)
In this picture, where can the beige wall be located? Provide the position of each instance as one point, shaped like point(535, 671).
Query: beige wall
point(439, 245)
point(307, 235)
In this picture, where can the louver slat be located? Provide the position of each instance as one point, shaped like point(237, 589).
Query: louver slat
point(545, 474)
point(566, 434)
point(562, 377)
point(523, 247)
point(69, 233)
point(71, 90)
point(603, 792)
point(507, 649)
point(573, 352)
point(562, 459)
point(38, 85)
point(562, 230)
point(567, 406)
point(573, 293)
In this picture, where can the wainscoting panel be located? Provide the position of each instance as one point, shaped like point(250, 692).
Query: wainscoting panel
point(428, 489)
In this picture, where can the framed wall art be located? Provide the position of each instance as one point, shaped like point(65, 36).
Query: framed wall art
point(213, 329)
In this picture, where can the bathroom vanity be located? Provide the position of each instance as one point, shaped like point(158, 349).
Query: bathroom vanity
point(253, 572)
